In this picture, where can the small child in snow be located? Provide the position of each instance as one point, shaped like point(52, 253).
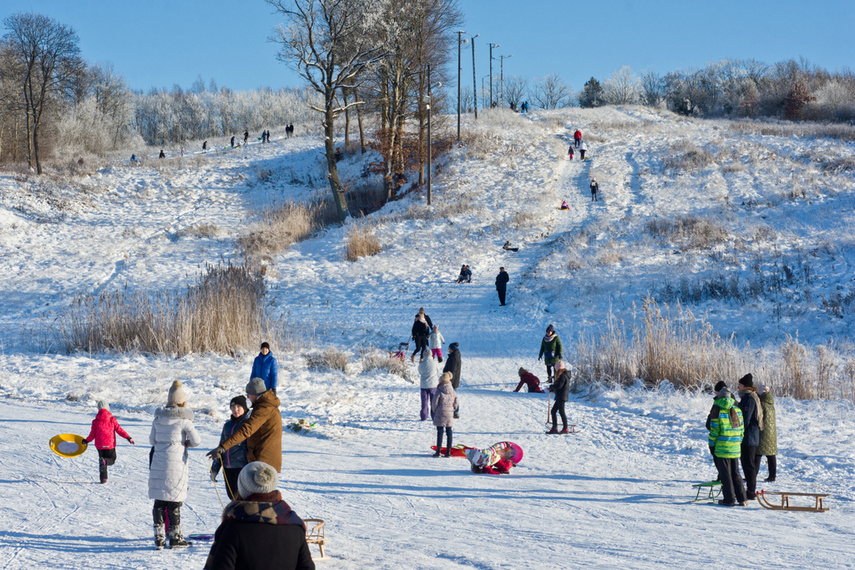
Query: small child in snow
point(103, 432)
point(436, 340)
point(565, 205)
point(496, 459)
point(570, 153)
point(528, 379)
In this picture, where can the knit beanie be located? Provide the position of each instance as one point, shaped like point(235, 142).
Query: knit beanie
point(550, 329)
point(522, 371)
point(176, 395)
point(453, 346)
point(240, 401)
point(256, 387)
point(747, 381)
point(265, 345)
point(762, 389)
point(257, 477)
point(103, 405)
point(721, 384)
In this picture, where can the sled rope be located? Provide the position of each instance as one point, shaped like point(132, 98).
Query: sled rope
point(214, 483)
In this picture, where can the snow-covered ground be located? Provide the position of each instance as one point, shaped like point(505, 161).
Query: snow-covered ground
point(617, 494)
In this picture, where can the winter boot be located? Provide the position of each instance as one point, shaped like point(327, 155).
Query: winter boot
point(176, 540)
point(565, 430)
point(552, 431)
point(159, 536)
point(440, 360)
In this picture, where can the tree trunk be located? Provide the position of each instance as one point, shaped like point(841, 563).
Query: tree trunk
point(359, 122)
point(332, 166)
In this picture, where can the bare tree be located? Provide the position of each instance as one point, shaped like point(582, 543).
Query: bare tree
point(622, 87)
point(551, 92)
point(49, 62)
point(516, 88)
point(313, 41)
point(652, 88)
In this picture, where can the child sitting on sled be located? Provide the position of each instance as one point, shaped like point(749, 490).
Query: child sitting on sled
point(528, 379)
point(565, 205)
point(103, 432)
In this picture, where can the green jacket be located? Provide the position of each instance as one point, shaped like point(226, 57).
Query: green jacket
point(553, 346)
point(769, 435)
point(725, 439)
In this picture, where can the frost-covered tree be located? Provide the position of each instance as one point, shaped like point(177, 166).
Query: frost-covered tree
point(516, 90)
point(622, 87)
point(313, 41)
point(551, 92)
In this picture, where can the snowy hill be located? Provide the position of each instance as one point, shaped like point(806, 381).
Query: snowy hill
point(617, 494)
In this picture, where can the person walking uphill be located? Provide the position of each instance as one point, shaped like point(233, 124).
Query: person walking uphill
point(502, 284)
point(561, 389)
point(595, 189)
point(233, 460)
point(445, 404)
point(172, 432)
point(265, 367)
point(103, 433)
point(453, 365)
point(577, 137)
point(550, 350)
point(725, 441)
point(262, 431)
point(752, 414)
point(422, 326)
point(259, 530)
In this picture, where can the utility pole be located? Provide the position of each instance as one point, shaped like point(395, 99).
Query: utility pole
point(502, 79)
point(459, 68)
point(474, 80)
point(491, 72)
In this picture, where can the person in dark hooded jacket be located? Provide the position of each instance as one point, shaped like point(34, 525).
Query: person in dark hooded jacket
point(453, 365)
point(234, 459)
point(259, 529)
point(561, 389)
point(752, 414)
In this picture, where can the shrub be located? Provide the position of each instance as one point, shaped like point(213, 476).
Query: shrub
point(373, 359)
point(222, 312)
point(330, 359)
point(688, 158)
point(690, 232)
point(361, 242)
point(280, 226)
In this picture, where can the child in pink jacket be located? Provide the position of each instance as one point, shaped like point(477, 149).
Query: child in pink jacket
point(104, 430)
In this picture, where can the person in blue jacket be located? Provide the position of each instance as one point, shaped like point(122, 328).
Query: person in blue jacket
point(265, 367)
point(234, 459)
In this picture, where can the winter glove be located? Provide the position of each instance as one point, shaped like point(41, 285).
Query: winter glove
point(214, 453)
point(131, 441)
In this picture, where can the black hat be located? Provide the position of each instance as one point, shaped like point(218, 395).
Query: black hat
point(453, 346)
point(265, 345)
point(721, 384)
point(240, 401)
point(747, 381)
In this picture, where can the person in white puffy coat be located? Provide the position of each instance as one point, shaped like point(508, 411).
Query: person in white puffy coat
point(429, 378)
point(172, 432)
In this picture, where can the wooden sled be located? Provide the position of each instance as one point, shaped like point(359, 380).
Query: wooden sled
point(712, 488)
point(315, 533)
point(762, 498)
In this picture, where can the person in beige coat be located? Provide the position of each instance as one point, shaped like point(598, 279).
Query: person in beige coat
point(444, 402)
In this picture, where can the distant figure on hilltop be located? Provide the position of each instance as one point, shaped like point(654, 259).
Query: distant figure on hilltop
point(232, 142)
point(583, 148)
point(205, 145)
point(289, 130)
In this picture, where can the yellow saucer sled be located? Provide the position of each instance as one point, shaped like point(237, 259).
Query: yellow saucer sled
point(68, 445)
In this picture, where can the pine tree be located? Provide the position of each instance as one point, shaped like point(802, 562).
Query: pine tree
point(592, 94)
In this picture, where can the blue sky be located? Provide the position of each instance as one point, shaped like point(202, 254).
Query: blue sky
point(157, 43)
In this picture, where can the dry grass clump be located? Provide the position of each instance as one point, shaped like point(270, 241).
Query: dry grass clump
point(201, 231)
point(330, 359)
point(481, 145)
point(223, 312)
point(688, 157)
point(523, 220)
point(690, 232)
point(361, 241)
point(843, 164)
point(788, 129)
point(441, 210)
point(281, 226)
point(377, 360)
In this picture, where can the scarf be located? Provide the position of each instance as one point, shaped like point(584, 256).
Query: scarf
point(549, 337)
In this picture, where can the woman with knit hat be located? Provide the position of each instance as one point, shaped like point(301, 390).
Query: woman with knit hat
point(259, 529)
point(172, 432)
point(752, 414)
point(561, 388)
point(550, 350)
point(234, 459)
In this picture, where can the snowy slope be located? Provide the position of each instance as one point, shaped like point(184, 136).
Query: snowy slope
point(614, 495)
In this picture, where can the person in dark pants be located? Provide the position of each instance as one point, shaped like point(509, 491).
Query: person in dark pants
point(725, 440)
point(422, 326)
point(233, 460)
point(752, 414)
point(595, 189)
point(453, 365)
point(502, 284)
point(103, 433)
point(769, 434)
point(245, 137)
point(550, 351)
point(561, 389)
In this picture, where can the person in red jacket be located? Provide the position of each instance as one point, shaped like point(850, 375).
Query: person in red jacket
point(577, 138)
point(530, 380)
point(103, 432)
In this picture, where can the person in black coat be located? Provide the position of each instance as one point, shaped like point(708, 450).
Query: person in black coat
point(502, 284)
point(453, 365)
point(422, 326)
point(561, 389)
point(259, 530)
point(751, 440)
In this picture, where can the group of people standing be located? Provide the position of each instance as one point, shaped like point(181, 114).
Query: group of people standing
point(744, 432)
